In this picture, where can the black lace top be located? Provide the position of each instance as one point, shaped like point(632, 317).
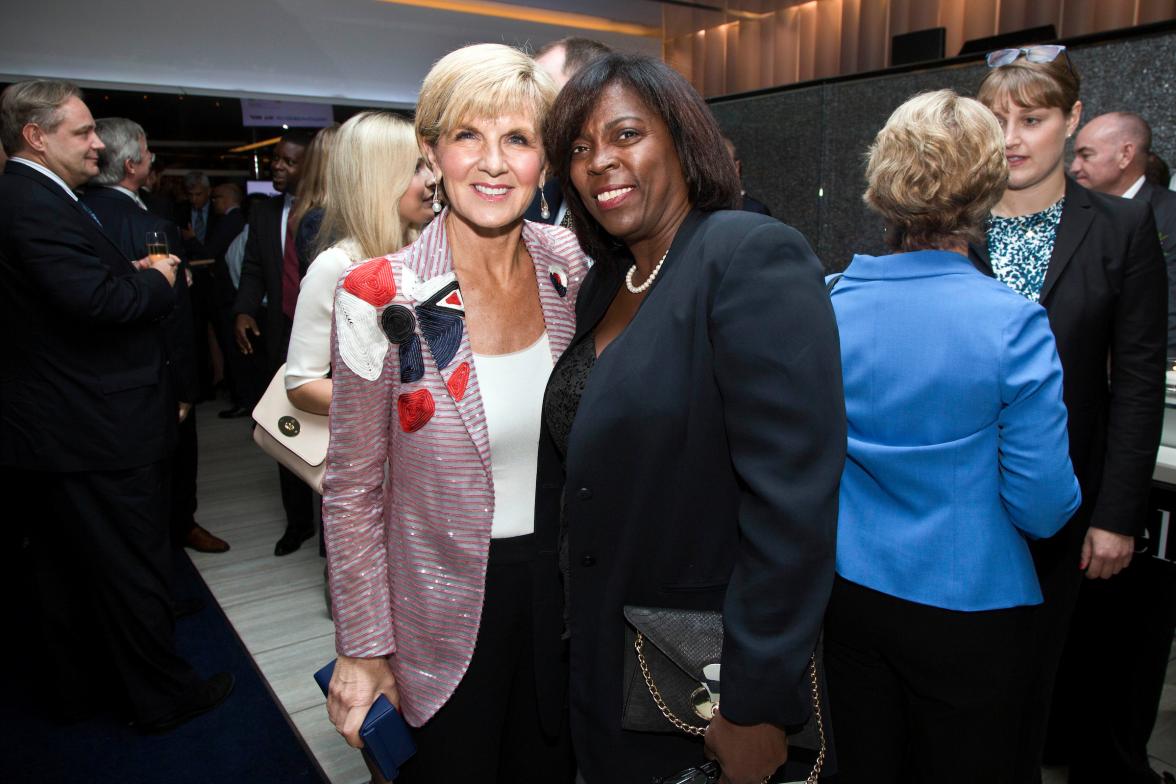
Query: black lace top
point(564, 390)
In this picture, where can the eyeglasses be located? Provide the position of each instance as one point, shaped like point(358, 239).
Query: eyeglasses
point(706, 773)
point(1035, 54)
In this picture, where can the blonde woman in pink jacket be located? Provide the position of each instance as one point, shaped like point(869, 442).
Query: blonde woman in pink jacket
point(441, 356)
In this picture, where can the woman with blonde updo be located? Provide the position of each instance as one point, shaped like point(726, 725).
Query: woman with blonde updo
point(957, 457)
point(441, 355)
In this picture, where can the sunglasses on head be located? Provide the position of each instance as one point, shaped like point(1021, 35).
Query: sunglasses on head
point(1046, 53)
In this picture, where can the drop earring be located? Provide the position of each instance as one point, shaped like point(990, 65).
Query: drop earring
point(436, 194)
point(544, 210)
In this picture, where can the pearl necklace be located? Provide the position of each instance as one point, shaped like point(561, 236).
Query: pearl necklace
point(648, 281)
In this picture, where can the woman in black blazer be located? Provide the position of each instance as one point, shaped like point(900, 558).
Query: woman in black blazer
point(1094, 263)
point(696, 426)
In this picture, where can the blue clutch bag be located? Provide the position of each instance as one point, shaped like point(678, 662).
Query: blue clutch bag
point(387, 741)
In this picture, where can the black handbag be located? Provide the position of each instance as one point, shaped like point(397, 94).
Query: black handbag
point(663, 677)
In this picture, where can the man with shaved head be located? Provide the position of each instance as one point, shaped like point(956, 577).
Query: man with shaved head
point(1110, 156)
point(1122, 626)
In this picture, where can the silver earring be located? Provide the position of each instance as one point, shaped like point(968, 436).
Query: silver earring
point(544, 210)
point(436, 193)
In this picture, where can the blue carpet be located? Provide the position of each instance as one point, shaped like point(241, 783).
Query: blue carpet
point(247, 739)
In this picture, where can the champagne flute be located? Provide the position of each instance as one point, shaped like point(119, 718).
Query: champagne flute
point(157, 245)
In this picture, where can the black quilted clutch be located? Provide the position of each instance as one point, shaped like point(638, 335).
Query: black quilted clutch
point(666, 649)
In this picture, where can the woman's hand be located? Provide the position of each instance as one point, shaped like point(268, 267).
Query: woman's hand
point(355, 685)
point(748, 754)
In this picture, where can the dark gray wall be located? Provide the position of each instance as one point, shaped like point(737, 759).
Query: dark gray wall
point(799, 144)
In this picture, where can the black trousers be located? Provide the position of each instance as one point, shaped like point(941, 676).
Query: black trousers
point(489, 729)
point(100, 566)
point(922, 694)
point(182, 480)
point(1112, 674)
point(1056, 560)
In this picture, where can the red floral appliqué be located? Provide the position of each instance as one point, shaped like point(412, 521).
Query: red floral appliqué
point(458, 381)
point(372, 282)
point(415, 409)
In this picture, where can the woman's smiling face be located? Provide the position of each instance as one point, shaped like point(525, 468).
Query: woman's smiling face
point(626, 168)
point(489, 169)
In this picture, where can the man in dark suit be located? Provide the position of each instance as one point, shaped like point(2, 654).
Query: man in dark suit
point(239, 373)
point(1123, 625)
point(266, 297)
point(750, 203)
point(84, 421)
point(112, 196)
point(1111, 156)
point(561, 59)
point(158, 202)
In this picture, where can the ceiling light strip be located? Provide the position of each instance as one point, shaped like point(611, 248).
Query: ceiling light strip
point(524, 13)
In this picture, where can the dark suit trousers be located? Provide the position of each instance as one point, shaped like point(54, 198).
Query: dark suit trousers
point(1057, 560)
point(923, 695)
point(101, 566)
point(1112, 674)
point(489, 730)
point(183, 466)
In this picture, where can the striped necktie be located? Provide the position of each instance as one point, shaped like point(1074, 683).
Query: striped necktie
point(89, 212)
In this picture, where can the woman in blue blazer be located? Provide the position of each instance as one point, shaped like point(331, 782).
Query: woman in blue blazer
point(957, 456)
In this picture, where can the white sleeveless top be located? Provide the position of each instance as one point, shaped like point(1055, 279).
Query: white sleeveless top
point(512, 388)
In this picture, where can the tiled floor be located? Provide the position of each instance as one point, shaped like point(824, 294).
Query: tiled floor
point(277, 606)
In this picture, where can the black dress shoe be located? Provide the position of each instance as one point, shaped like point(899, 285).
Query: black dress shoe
point(292, 540)
point(236, 412)
point(201, 699)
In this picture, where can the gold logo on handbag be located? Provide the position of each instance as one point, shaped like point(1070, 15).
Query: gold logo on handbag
point(289, 426)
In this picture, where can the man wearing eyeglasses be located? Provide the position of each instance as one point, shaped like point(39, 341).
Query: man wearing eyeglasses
point(114, 197)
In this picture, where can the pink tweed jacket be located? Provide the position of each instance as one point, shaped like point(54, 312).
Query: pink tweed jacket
point(409, 497)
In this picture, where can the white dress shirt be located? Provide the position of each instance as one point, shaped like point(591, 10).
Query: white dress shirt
point(47, 173)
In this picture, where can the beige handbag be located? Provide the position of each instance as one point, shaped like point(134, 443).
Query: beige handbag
point(295, 438)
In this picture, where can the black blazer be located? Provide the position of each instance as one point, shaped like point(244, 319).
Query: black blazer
point(702, 473)
point(1106, 292)
point(127, 224)
point(261, 276)
point(1163, 204)
point(81, 367)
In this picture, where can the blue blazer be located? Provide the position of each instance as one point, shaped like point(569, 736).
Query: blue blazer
point(957, 433)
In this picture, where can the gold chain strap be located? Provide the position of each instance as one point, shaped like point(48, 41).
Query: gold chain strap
point(690, 729)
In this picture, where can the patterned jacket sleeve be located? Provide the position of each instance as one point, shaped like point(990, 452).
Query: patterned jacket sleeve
point(353, 504)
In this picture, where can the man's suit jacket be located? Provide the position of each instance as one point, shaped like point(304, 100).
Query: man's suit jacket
point(261, 277)
point(195, 248)
point(701, 473)
point(127, 224)
point(230, 225)
point(1106, 292)
point(1163, 204)
point(82, 382)
point(158, 203)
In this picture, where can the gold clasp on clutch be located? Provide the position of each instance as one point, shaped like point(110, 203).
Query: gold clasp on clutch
point(701, 701)
point(289, 426)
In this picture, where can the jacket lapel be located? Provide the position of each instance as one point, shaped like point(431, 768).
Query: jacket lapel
point(1075, 221)
point(551, 276)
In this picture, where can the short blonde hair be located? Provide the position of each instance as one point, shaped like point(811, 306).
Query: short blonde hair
point(481, 81)
point(935, 171)
point(371, 166)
